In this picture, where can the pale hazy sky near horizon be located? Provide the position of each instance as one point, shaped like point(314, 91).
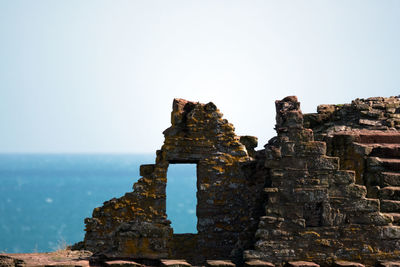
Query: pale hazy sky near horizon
point(99, 76)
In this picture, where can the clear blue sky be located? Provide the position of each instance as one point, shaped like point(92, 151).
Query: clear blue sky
point(100, 76)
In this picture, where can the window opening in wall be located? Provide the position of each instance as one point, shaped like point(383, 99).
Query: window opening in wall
point(181, 197)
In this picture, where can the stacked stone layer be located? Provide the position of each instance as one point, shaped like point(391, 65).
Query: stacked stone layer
point(374, 113)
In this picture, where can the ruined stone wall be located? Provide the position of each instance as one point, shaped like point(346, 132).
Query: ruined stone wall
point(365, 136)
point(315, 211)
point(339, 126)
point(374, 113)
point(228, 194)
point(135, 225)
point(335, 196)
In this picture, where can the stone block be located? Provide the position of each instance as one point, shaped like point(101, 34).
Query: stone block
point(388, 264)
point(122, 263)
point(351, 191)
point(380, 137)
point(347, 264)
point(250, 142)
point(270, 222)
point(323, 163)
point(367, 205)
point(379, 105)
point(326, 108)
point(59, 265)
point(310, 194)
point(175, 263)
point(390, 192)
point(343, 177)
point(390, 178)
point(361, 106)
point(310, 148)
point(390, 205)
point(356, 191)
point(258, 263)
point(364, 205)
point(373, 191)
point(301, 264)
point(301, 135)
point(146, 169)
point(370, 122)
point(396, 217)
point(292, 119)
point(293, 163)
point(287, 148)
point(373, 218)
point(389, 232)
point(220, 263)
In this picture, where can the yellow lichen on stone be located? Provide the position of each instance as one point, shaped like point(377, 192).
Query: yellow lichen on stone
point(310, 234)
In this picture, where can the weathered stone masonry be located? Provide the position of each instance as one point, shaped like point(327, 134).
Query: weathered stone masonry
point(315, 211)
point(335, 196)
point(136, 225)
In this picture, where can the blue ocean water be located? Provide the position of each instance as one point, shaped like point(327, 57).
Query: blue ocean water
point(45, 198)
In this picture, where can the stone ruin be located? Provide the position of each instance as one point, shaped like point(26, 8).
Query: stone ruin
point(325, 190)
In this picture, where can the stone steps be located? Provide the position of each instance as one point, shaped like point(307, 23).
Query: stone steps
point(384, 164)
point(390, 164)
point(382, 176)
point(390, 205)
point(382, 179)
point(376, 164)
point(389, 193)
point(395, 216)
point(390, 179)
point(385, 150)
point(372, 137)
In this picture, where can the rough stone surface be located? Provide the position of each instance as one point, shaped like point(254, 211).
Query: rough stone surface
point(325, 190)
point(301, 264)
point(258, 263)
point(57, 258)
point(220, 263)
point(389, 264)
point(120, 263)
point(7, 261)
point(374, 113)
point(347, 264)
point(315, 211)
point(228, 195)
point(175, 263)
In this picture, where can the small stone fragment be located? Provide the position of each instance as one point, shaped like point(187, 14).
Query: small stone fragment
point(347, 264)
point(174, 263)
point(121, 263)
point(220, 263)
point(388, 264)
point(301, 264)
point(258, 263)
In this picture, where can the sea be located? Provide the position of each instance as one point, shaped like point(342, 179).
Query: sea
point(44, 198)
